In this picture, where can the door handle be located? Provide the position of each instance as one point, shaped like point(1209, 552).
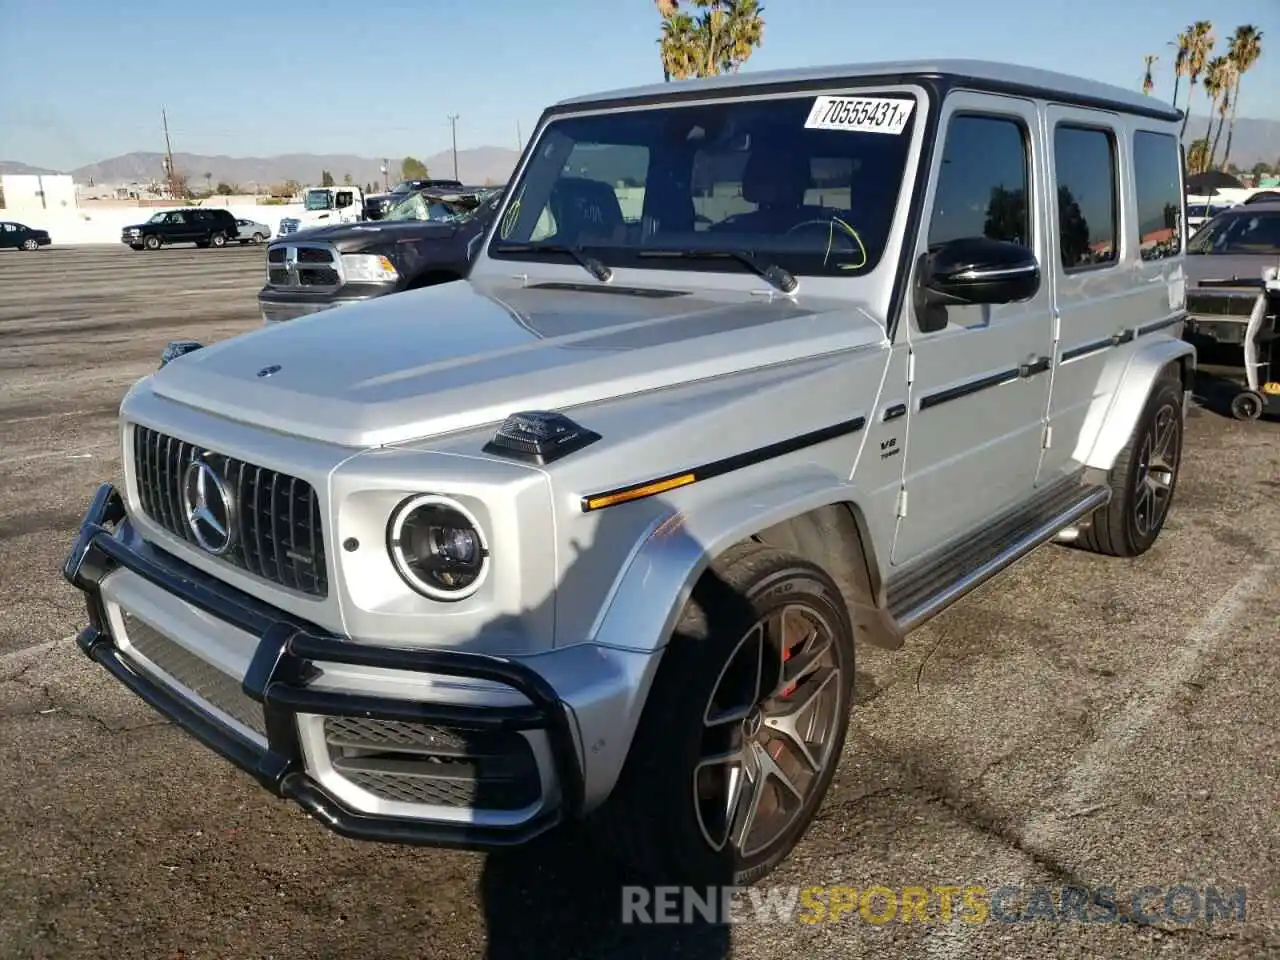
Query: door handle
point(1032, 367)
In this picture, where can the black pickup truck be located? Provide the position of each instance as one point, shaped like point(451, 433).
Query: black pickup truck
point(377, 205)
point(425, 239)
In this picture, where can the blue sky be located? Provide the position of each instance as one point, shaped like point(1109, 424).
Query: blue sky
point(81, 81)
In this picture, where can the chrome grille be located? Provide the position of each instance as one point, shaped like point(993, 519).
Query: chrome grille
point(435, 765)
point(316, 266)
point(278, 532)
point(178, 666)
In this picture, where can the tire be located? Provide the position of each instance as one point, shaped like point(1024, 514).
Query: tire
point(1247, 405)
point(1129, 525)
point(151, 242)
point(29, 244)
point(218, 239)
point(657, 820)
point(258, 238)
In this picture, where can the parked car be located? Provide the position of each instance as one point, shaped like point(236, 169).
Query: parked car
point(1199, 214)
point(21, 237)
point(251, 231)
point(593, 533)
point(203, 226)
point(426, 239)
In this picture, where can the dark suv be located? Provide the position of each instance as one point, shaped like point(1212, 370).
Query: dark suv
point(427, 238)
point(203, 227)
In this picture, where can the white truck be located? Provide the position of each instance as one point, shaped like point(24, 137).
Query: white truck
point(323, 206)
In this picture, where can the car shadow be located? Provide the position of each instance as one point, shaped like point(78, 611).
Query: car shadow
point(563, 895)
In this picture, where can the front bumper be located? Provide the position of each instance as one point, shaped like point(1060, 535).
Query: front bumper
point(278, 305)
point(280, 677)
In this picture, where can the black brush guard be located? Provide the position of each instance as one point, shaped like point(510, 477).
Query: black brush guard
point(276, 678)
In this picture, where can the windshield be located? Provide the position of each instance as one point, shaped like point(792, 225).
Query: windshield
point(1239, 233)
point(807, 183)
point(422, 207)
point(160, 217)
point(319, 200)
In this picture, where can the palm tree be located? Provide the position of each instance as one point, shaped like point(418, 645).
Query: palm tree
point(718, 39)
point(1197, 154)
point(1218, 79)
point(1183, 44)
point(1244, 51)
point(1198, 51)
point(1148, 81)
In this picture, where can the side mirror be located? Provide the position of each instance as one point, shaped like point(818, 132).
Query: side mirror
point(176, 349)
point(973, 270)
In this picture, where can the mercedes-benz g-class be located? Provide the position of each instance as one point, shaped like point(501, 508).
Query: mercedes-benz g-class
point(748, 371)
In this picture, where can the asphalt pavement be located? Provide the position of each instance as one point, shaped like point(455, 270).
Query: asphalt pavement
point(1079, 722)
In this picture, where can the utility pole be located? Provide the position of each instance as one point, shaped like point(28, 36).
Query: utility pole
point(453, 124)
point(168, 155)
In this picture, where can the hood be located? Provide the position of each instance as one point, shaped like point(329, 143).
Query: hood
point(1246, 268)
point(458, 356)
point(351, 237)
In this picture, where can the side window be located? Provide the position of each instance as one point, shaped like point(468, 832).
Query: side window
point(1088, 197)
point(1156, 167)
point(983, 183)
point(344, 199)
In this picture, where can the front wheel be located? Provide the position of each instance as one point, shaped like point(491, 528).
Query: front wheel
point(743, 728)
point(30, 244)
point(152, 242)
point(1247, 405)
point(1143, 478)
point(258, 238)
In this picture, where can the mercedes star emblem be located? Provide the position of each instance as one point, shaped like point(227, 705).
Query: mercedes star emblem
point(209, 508)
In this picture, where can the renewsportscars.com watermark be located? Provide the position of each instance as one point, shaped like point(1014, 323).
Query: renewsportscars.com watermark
point(1181, 903)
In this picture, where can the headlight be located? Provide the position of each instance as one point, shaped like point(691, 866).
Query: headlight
point(369, 268)
point(437, 547)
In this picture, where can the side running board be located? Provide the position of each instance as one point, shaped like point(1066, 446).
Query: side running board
point(930, 585)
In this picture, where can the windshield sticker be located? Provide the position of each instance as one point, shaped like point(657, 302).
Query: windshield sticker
point(860, 114)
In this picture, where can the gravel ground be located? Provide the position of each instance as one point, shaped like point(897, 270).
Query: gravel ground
point(1078, 722)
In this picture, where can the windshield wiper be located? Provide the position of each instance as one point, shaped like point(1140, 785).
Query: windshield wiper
point(776, 275)
point(589, 263)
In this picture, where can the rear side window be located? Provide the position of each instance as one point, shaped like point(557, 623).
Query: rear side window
point(983, 182)
point(1088, 197)
point(1156, 168)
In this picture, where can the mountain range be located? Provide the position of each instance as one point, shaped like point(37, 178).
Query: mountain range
point(476, 166)
point(1254, 140)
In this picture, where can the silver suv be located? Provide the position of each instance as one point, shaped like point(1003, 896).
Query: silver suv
point(747, 371)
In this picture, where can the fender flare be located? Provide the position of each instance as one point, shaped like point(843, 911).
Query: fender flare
point(1127, 401)
point(648, 597)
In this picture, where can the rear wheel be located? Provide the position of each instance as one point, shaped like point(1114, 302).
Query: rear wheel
point(743, 728)
point(1143, 479)
point(218, 240)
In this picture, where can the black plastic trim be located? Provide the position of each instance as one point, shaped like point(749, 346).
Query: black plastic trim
point(750, 458)
point(1084, 349)
point(1164, 324)
point(962, 390)
point(894, 412)
point(287, 658)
